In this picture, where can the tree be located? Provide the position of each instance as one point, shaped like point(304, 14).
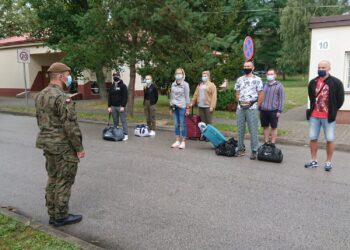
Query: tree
point(155, 33)
point(81, 30)
point(295, 32)
point(16, 18)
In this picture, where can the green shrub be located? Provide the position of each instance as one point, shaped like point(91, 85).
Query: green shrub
point(226, 100)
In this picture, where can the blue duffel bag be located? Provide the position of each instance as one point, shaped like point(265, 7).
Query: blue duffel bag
point(112, 133)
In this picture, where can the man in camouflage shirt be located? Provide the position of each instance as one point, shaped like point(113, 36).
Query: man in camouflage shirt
point(61, 140)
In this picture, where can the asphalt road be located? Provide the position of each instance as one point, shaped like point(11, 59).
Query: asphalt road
point(141, 194)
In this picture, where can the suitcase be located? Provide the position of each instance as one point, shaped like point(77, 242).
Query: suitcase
point(270, 153)
point(192, 130)
point(212, 134)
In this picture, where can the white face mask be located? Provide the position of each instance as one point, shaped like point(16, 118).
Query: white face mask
point(270, 78)
point(178, 76)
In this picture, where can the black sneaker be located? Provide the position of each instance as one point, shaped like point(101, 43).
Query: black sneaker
point(253, 155)
point(70, 219)
point(311, 164)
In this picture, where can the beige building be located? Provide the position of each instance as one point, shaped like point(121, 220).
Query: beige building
point(330, 40)
point(41, 57)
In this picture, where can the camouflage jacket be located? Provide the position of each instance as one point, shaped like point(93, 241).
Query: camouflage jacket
point(57, 121)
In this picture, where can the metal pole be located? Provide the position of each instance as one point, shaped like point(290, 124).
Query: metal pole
point(25, 82)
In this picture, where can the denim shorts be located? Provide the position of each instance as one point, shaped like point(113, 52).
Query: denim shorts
point(315, 128)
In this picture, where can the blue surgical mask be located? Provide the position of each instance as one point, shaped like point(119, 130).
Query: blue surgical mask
point(69, 81)
point(270, 78)
point(148, 81)
point(322, 73)
point(204, 78)
point(178, 76)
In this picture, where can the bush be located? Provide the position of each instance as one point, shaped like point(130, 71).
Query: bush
point(226, 100)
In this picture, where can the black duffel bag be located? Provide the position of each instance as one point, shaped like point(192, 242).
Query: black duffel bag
point(227, 148)
point(112, 133)
point(269, 152)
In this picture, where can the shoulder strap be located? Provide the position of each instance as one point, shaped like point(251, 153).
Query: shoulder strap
point(324, 84)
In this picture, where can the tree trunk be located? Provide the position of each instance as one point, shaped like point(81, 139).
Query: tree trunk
point(101, 83)
point(131, 89)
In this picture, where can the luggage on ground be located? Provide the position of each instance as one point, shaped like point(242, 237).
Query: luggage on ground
point(142, 130)
point(269, 152)
point(112, 133)
point(193, 131)
point(227, 148)
point(212, 134)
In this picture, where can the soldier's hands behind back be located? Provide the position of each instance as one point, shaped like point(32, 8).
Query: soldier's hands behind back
point(81, 154)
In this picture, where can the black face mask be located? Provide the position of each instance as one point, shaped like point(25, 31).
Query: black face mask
point(116, 78)
point(247, 71)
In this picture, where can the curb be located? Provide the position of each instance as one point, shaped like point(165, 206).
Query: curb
point(49, 230)
point(281, 140)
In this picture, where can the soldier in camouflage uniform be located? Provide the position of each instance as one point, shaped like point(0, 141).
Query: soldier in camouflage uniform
point(61, 140)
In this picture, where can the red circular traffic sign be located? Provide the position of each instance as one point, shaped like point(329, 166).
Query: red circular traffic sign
point(24, 56)
point(248, 48)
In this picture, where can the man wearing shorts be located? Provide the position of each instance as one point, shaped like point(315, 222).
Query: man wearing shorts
point(272, 106)
point(326, 95)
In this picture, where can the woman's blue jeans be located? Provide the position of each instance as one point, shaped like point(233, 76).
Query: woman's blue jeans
point(180, 121)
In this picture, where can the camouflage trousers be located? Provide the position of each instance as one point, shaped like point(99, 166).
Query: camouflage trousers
point(61, 169)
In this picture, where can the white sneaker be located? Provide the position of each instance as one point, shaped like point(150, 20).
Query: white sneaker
point(176, 144)
point(152, 133)
point(182, 145)
point(125, 138)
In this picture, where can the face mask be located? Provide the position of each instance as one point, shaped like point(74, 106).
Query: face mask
point(148, 81)
point(116, 78)
point(204, 78)
point(270, 78)
point(178, 76)
point(69, 81)
point(321, 73)
point(247, 71)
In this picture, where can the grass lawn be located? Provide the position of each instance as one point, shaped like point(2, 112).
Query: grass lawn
point(15, 235)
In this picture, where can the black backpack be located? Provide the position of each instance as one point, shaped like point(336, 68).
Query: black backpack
point(270, 153)
point(227, 148)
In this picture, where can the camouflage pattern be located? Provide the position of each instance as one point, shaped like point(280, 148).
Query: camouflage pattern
point(61, 139)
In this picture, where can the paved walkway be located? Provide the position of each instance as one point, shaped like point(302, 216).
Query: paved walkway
point(293, 122)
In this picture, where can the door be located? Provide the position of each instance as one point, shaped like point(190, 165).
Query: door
point(45, 75)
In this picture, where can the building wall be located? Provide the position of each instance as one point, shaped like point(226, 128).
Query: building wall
point(12, 77)
point(338, 39)
point(12, 80)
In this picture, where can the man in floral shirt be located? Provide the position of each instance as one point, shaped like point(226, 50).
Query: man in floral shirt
point(249, 94)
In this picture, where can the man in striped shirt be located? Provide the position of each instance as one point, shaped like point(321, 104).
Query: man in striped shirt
point(272, 106)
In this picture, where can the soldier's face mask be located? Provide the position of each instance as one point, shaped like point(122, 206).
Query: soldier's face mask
point(69, 81)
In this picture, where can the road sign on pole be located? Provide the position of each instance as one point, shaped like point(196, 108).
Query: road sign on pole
point(23, 56)
point(248, 48)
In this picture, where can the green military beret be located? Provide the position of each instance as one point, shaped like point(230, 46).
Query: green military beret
point(58, 67)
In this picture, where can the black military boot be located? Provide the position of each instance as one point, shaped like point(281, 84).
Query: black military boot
point(70, 219)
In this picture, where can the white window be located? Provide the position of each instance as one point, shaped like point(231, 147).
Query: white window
point(347, 71)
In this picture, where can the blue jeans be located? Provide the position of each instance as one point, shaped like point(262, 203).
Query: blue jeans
point(180, 121)
point(315, 128)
